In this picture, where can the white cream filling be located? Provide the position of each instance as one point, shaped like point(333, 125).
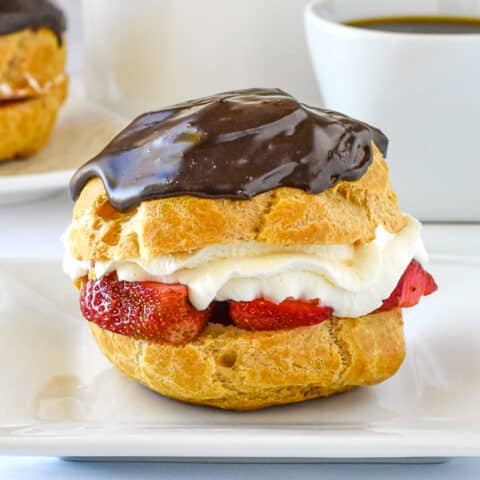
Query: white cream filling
point(6, 91)
point(353, 280)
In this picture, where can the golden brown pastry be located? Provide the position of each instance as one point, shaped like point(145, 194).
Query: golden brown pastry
point(236, 369)
point(25, 125)
point(245, 250)
point(33, 82)
point(347, 213)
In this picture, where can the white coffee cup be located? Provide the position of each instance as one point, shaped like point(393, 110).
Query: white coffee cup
point(422, 90)
point(145, 54)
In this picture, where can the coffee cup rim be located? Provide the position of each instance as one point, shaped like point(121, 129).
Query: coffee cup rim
point(312, 15)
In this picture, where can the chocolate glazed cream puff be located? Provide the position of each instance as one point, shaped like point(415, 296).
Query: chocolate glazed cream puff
point(245, 250)
point(33, 83)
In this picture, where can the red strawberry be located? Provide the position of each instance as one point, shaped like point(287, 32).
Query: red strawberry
point(147, 310)
point(414, 283)
point(261, 314)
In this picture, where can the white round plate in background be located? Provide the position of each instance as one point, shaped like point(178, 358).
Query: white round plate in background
point(83, 129)
point(25, 188)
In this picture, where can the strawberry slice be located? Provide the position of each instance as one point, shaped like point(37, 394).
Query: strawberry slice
point(414, 284)
point(147, 310)
point(261, 314)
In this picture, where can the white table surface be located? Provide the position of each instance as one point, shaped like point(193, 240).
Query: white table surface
point(33, 230)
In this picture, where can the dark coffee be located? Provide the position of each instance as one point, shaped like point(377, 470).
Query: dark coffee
point(420, 24)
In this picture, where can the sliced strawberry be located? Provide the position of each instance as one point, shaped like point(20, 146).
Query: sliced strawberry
point(261, 314)
point(415, 283)
point(147, 310)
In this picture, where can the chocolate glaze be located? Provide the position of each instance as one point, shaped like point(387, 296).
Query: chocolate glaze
point(231, 145)
point(17, 15)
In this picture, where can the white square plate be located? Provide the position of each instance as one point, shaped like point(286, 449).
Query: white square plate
point(60, 397)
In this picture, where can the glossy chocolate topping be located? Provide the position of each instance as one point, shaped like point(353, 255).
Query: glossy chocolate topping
point(17, 15)
point(232, 145)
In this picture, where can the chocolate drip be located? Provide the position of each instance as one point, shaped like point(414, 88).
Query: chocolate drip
point(17, 15)
point(232, 145)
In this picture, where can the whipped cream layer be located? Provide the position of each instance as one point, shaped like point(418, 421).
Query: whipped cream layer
point(353, 280)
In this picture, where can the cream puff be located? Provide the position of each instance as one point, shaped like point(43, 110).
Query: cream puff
point(245, 250)
point(33, 82)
